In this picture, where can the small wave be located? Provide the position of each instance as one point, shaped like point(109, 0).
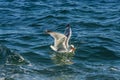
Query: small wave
point(9, 57)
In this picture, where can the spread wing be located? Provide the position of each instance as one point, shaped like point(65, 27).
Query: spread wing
point(68, 33)
point(59, 40)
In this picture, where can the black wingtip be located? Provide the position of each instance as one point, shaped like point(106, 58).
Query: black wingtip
point(68, 25)
point(47, 31)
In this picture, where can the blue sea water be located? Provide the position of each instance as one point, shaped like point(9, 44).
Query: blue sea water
point(25, 52)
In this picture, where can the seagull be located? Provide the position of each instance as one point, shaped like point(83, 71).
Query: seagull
point(61, 41)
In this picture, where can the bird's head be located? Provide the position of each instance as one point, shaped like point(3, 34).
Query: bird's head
point(72, 48)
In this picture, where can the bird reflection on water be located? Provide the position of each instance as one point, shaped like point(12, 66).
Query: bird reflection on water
point(62, 58)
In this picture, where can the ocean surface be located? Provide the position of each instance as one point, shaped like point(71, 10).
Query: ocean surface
point(25, 52)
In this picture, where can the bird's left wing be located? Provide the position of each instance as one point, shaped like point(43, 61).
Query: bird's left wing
point(59, 39)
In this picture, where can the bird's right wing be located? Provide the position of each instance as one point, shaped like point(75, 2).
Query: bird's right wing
point(68, 33)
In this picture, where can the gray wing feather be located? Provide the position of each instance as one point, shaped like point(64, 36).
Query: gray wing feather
point(59, 40)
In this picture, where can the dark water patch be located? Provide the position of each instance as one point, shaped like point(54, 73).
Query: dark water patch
point(27, 37)
point(95, 24)
point(62, 11)
point(2, 41)
point(41, 47)
point(37, 57)
point(106, 39)
point(31, 54)
point(109, 1)
point(103, 53)
point(52, 17)
point(35, 24)
point(27, 19)
point(97, 51)
point(84, 67)
point(91, 24)
point(97, 48)
point(20, 43)
point(55, 70)
point(101, 77)
point(99, 17)
point(66, 4)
